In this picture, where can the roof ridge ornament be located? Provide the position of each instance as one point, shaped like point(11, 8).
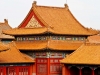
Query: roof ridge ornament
point(66, 6)
point(6, 21)
point(34, 3)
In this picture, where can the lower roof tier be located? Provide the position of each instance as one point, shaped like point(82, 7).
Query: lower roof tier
point(88, 53)
point(13, 55)
point(48, 44)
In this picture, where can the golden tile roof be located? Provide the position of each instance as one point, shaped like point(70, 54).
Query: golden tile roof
point(3, 47)
point(54, 19)
point(13, 55)
point(94, 39)
point(86, 54)
point(5, 26)
point(64, 45)
point(57, 18)
point(26, 31)
point(31, 45)
point(48, 44)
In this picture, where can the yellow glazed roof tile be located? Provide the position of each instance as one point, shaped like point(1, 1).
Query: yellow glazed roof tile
point(57, 20)
point(94, 39)
point(88, 53)
point(3, 47)
point(48, 44)
point(25, 31)
point(13, 55)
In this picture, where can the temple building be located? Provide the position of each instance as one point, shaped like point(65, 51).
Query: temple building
point(85, 60)
point(3, 37)
point(49, 34)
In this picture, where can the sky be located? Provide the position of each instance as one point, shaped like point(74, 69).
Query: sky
point(87, 12)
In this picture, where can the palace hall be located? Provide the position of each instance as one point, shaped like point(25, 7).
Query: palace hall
point(49, 41)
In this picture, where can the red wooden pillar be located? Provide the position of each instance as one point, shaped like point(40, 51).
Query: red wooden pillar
point(63, 69)
point(29, 70)
point(4, 71)
point(80, 71)
point(92, 71)
point(48, 66)
point(17, 70)
point(33, 69)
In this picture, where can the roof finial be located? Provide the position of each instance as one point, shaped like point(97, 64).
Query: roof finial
point(6, 21)
point(34, 3)
point(66, 6)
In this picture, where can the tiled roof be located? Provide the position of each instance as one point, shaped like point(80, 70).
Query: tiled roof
point(57, 18)
point(31, 45)
point(13, 55)
point(48, 44)
point(3, 47)
point(25, 31)
point(86, 54)
point(94, 39)
point(5, 26)
point(54, 19)
point(64, 45)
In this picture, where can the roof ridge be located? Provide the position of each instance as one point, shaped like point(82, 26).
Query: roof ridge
point(35, 4)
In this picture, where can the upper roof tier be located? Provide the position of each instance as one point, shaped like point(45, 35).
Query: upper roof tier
point(57, 20)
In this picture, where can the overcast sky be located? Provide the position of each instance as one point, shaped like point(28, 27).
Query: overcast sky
point(87, 12)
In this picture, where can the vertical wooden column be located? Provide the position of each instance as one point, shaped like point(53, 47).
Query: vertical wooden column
point(80, 71)
point(48, 66)
point(63, 70)
point(4, 71)
point(17, 70)
point(33, 68)
point(92, 71)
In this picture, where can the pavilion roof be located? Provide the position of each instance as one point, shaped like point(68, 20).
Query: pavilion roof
point(57, 20)
point(5, 26)
point(48, 44)
point(13, 55)
point(88, 53)
point(26, 31)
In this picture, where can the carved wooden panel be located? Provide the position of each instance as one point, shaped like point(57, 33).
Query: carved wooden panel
point(33, 23)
